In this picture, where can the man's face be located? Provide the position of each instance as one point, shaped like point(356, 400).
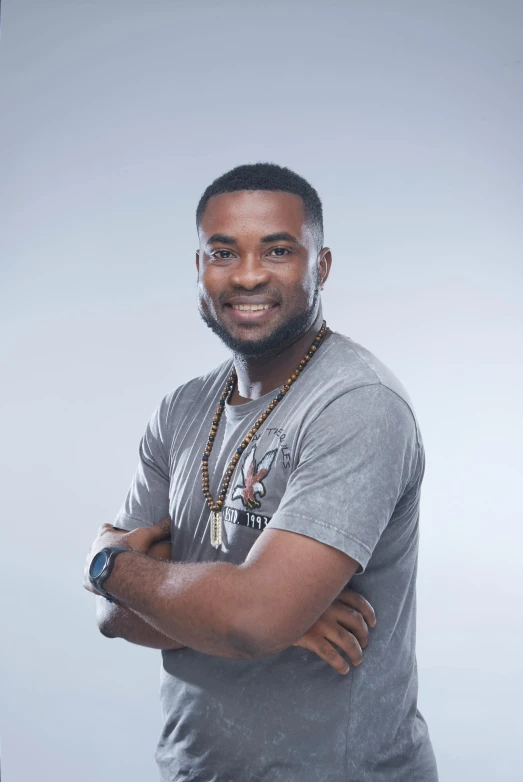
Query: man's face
point(259, 270)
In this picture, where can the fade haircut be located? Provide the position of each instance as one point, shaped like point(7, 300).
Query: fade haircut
point(268, 176)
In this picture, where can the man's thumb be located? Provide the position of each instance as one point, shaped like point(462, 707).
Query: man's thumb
point(160, 530)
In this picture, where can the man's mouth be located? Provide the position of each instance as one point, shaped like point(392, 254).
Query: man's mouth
point(251, 307)
point(244, 311)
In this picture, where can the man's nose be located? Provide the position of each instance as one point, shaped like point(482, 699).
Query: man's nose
point(250, 273)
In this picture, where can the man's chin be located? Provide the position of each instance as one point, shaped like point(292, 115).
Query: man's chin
point(257, 345)
point(252, 346)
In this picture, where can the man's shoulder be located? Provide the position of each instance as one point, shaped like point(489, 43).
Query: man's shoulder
point(357, 366)
point(354, 367)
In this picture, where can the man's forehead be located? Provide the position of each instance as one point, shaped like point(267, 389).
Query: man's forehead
point(254, 212)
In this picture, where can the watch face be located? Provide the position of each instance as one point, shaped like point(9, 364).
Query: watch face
point(98, 564)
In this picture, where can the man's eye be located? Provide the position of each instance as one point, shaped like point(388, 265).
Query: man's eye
point(280, 251)
point(223, 254)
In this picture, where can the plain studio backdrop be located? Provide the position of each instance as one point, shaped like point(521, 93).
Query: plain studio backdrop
point(407, 118)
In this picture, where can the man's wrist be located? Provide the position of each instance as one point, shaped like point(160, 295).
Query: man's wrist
point(113, 552)
point(112, 578)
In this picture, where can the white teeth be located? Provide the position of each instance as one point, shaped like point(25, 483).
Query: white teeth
point(250, 307)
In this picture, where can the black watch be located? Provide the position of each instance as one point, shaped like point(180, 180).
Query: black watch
point(101, 566)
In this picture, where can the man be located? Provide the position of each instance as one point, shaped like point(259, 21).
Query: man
point(281, 476)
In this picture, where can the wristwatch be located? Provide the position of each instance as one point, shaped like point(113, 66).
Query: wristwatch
point(101, 566)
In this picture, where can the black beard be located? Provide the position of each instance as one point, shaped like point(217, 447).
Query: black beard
point(287, 332)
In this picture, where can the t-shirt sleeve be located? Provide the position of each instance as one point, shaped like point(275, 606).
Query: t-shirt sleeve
point(355, 461)
point(147, 499)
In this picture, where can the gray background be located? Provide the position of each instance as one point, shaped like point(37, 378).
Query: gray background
point(407, 118)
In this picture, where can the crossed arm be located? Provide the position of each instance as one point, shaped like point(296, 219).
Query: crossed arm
point(261, 607)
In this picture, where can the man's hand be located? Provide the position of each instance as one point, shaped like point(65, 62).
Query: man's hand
point(345, 623)
point(140, 539)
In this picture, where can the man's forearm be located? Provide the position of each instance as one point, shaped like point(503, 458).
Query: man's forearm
point(115, 621)
point(202, 604)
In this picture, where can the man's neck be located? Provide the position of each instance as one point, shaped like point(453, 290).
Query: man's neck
point(259, 376)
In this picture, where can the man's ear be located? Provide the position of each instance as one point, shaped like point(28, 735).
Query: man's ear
point(324, 263)
point(198, 261)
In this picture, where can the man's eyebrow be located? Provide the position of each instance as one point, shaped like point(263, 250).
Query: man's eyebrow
point(283, 236)
point(222, 239)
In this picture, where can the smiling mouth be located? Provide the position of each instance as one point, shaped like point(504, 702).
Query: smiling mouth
point(251, 313)
point(251, 307)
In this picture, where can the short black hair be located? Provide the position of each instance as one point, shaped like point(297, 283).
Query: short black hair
point(267, 176)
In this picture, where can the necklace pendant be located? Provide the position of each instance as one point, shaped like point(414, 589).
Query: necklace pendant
point(216, 528)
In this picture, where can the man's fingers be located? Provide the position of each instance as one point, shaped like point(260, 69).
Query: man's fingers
point(142, 538)
point(350, 619)
point(354, 600)
point(325, 650)
point(345, 624)
point(347, 642)
point(323, 641)
point(160, 530)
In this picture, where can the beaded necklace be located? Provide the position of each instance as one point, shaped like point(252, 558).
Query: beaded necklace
point(216, 512)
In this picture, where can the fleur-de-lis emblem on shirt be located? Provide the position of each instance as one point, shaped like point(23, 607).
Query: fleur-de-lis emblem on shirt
point(253, 475)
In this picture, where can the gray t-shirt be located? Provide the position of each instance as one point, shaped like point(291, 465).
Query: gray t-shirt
point(340, 460)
